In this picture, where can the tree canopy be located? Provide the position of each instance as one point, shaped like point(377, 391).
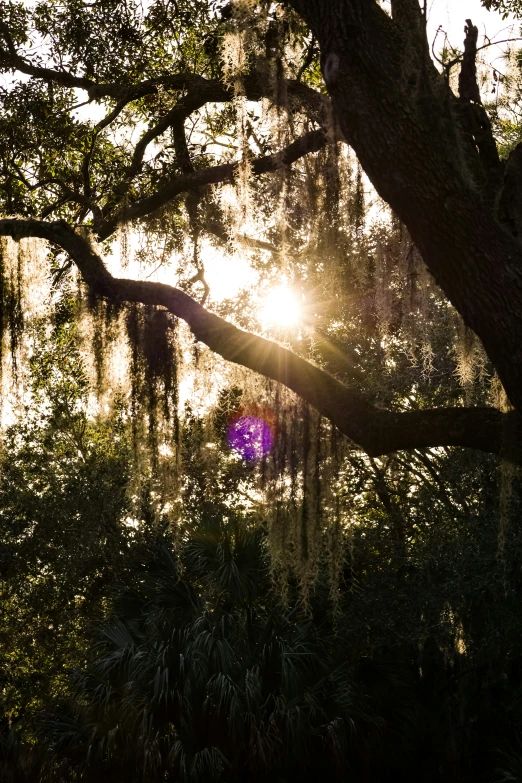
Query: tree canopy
point(240, 544)
point(171, 82)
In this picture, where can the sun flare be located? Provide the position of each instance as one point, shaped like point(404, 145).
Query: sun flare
point(280, 307)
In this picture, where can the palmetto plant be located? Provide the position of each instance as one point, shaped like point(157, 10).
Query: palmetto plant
point(511, 765)
point(19, 762)
point(203, 676)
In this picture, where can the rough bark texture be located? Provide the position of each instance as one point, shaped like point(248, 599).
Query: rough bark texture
point(414, 147)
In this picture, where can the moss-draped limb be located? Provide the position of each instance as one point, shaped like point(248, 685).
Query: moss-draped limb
point(374, 430)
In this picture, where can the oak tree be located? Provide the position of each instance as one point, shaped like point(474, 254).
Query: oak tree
point(344, 72)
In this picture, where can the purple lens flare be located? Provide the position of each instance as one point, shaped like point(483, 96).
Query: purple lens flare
point(252, 437)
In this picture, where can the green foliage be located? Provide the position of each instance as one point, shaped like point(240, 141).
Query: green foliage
point(44, 144)
point(505, 7)
point(110, 39)
point(198, 671)
point(62, 499)
point(395, 654)
point(200, 676)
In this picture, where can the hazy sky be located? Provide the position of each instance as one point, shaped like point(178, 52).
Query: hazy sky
point(452, 14)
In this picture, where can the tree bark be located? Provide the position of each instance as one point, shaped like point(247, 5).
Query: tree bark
point(407, 135)
point(376, 431)
point(425, 155)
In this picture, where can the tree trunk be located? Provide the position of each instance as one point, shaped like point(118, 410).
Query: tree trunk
point(403, 123)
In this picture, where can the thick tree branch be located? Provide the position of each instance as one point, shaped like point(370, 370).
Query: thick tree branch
point(198, 92)
point(410, 20)
point(510, 200)
point(9, 57)
point(412, 148)
point(299, 95)
point(474, 116)
point(375, 431)
point(309, 142)
point(181, 146)
point(468, 85)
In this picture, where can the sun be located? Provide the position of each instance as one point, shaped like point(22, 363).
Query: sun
point(280, 307)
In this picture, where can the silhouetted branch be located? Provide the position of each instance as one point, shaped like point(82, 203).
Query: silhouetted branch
point(376, 431)
point(225, 172)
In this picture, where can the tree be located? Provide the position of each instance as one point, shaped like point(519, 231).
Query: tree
point(430, 154)
point(183, 691)
point(408, 677)
point(203, 673)
point(62, 508)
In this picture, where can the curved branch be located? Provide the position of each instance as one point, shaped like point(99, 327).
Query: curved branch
point(199, 91)
point(375, 431)
point(299, 95)
point(18, 63)
point(195, 99)
point(225, 172)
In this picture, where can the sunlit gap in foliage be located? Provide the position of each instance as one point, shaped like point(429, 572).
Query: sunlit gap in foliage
point(280, 307)
point(226, 273)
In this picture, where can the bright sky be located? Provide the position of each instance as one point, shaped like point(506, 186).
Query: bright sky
point(452, 15)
